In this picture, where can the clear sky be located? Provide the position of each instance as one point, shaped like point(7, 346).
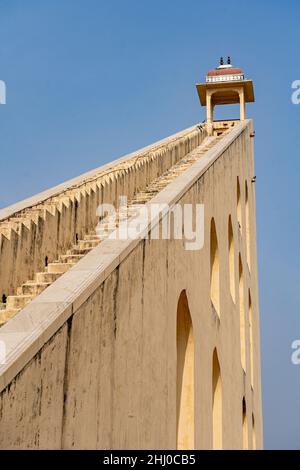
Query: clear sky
point(91, 80)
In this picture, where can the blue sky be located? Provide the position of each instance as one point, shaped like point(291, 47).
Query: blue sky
point(88, 81)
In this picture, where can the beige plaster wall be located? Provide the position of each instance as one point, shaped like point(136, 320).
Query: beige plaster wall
point(106, 376)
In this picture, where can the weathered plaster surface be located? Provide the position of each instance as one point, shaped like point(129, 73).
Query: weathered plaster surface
point(92, 360)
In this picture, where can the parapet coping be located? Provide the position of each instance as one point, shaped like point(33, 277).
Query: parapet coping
point(85, 177)
point(28, 332)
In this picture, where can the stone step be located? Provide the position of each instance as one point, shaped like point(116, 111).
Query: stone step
point(32, 288)
point(141, 201)
point(70, 258)
point(78, 251)
point(165, 178)
point(90, 237)
point(148, 192)
point(158, 187)
point(87, 244)
point(7, 314)
point(109, 225)
point(181, 169)
point(104, 234)
point(45, 277)
point(105, 228)
point(57, 267)
point(18, 301)
point(94, 240)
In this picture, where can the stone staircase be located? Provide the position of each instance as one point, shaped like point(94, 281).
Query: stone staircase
point(162, 181)
point(32, 288)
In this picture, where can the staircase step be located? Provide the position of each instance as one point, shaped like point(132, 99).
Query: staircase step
point(70, 258)
point(87, 244)
point(32, 288)
point(7, 314)
point(109, 226)
point(140, 201)
point(45, 277)
point(104, 235)
point(18, 301)
point(91, 237)
point(77, 251)
point(103, 231)
point(59, 267)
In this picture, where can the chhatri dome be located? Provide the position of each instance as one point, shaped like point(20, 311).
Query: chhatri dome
point(224, 73)
point(225, 85)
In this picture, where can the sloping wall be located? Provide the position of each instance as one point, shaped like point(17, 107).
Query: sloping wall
point(46, 225)
point(92, 361)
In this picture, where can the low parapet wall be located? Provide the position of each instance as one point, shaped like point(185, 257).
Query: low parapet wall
point(91, 362)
